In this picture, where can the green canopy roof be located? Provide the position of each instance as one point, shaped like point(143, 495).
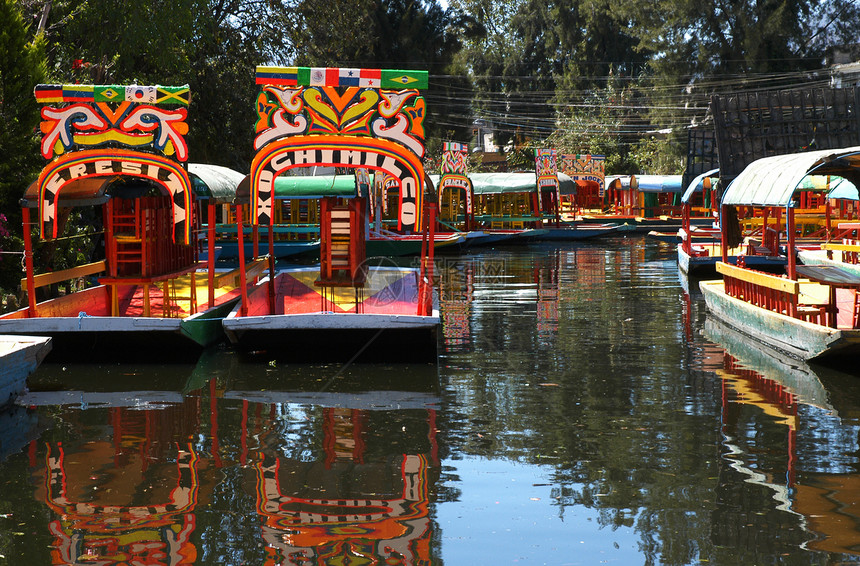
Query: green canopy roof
point(307, 187)
point(771, 181)
point(496, 183)
point(297, 186)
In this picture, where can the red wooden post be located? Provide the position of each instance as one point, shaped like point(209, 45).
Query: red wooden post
point(243, 279)
point(211, 246)
point(28, 262)
point(790, 251)
point(271, 267)
point(110, 242)
point(724, 243)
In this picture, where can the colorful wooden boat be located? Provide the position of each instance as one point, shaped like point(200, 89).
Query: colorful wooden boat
point(643, 203)
point(296, 231)
point(510, 208)
point(152, 293)
point(348, 307)
point(699, 248)
point(508, 203)
point(19, 357)
point(812, 312)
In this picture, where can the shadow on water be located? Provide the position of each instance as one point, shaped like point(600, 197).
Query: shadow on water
point(237, 376)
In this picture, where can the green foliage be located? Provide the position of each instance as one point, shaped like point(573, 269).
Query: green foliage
point(662, 155)
point(22, 65)
point(145, 42)
point(597, 126)
point(703, 39)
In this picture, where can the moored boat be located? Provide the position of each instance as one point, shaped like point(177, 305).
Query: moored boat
point(348, 308)
point(151, 292)
point(508, 203)
point(810, 313)
point(700, 247)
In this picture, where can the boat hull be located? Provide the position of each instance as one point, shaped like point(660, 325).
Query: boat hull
point(642, 225)
point(797, 338)
point(579, 232)
point(123, 338)
point(399, 245)
point(314, 323)
point(19, 357)
point(337, 337)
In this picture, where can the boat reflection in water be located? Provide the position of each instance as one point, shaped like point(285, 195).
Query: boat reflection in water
point(806, 469)
point(159, 466)
point(364, 495)
point(347, 507)
point(126, 499)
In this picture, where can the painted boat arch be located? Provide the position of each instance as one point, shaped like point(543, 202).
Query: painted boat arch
point(378, 155)
point(168, 175)
point(362, 119)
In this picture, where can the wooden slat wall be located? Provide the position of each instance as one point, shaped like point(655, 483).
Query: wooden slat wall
point(752, 125)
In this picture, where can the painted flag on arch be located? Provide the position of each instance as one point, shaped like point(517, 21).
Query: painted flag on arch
point(370, 78)
point(143, 94)
point(108, 93)
point(317, 77)
point(404, 79)
point(48, 93)
point(348, 77)
point(78, 93)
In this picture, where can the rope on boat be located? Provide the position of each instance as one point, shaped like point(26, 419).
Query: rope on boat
point(81, 316)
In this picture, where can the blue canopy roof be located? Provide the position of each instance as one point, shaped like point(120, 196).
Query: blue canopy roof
point(697, 184)
point(659, 183)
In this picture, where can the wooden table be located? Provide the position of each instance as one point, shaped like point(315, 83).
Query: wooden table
point(836, 278)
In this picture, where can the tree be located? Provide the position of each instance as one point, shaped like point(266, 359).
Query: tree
point(394, 34)
point(698, 40)
point(539, 58)
point(22, 66)
point(598, 126)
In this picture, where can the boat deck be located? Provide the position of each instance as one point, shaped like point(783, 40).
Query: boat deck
point(387, 291)
point(180, 298)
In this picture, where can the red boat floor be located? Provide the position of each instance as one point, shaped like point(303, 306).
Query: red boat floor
point(385, 292)
point(131, 304)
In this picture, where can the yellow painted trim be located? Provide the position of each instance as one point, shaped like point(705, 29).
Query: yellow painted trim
point(841, 247)
point(44, 279)
point(113, 136)
point(758, 278)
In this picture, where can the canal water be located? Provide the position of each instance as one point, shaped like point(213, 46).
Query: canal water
point(585, 410)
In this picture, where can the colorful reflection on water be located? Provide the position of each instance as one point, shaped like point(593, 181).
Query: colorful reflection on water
point(585, 410)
